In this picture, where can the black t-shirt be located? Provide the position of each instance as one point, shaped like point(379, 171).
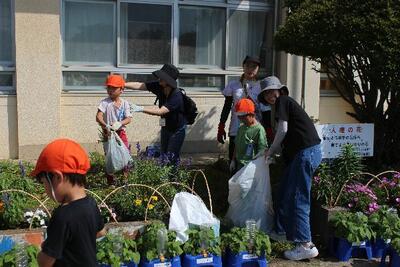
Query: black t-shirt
point(301, 130)
point(175, 118)
point(71, 235)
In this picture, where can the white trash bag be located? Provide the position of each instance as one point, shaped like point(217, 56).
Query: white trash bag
point(117, 154)
point(188, 209)
point(250, 196)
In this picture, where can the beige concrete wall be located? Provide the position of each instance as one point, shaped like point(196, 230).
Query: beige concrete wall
point(333, 110)
point(78, 122)
point(38, 73)
point(8, 127)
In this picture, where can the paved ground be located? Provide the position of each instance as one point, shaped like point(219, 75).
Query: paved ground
point(323, 263)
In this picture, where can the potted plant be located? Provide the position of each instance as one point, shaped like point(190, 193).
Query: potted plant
point(328, 187)
point(394, 253)
point(116, 250)
point(202, 248)
point(159, 247)
point(23, 255)
point(352, 235)
point(245, 246)
point(386, 224)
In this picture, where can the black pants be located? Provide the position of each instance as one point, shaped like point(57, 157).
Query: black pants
point(231, 147)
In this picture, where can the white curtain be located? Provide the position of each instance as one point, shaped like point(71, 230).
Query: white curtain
point(89, 32)
point(201, 36)
point(246, 35)
point(5, 31)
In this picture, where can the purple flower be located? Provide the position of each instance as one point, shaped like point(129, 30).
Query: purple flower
point(355, 199)
point(317, 179)
point(350, 205)
point(398, 199)
point(22, 168)
point(138, 148)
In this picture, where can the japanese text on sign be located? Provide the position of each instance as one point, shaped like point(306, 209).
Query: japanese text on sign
point(334, 136)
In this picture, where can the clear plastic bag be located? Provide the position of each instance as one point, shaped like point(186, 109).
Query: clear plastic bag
point(117, 154)
point(250, 196)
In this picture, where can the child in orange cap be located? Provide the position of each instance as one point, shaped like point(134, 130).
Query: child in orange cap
point(251, 138)
point(114, 113)
point(76, 223)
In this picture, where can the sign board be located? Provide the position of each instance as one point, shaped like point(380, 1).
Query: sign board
point(334, 136)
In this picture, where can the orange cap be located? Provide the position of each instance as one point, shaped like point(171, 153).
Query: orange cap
point(245, 106)
point(62, 155)
point(115, 81)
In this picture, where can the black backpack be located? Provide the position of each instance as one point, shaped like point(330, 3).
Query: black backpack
point(189, 107)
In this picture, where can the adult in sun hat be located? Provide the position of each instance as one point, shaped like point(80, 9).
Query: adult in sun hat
point(76, 222)
point(297, 137)
point(170, 109)
point(246, 87)
point(250, 139)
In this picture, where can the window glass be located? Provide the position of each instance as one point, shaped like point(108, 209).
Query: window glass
point(250, 33)
point(6, 42)
point(89, 32)
point(201, 36)
point(207, 82)
point(84, 80)
point(145, 34)
point(6, 79)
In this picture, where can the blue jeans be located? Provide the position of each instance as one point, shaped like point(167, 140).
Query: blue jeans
point(293, 206)
point(171, 143)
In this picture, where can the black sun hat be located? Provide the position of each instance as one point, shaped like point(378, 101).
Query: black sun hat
point(169, 73)
point(251, 59)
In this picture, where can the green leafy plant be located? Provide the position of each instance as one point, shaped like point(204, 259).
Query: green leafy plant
point(385, 223)
point(8, 259)
point(395, 243)
point(202, 240)
point(331, 178)
point(237, 242)
point(149, 240)
point(107, 250)
point(352, 226)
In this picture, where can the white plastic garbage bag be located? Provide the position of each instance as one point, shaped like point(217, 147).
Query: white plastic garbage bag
point(188, 209)
point(117, 154)
point(250, 196)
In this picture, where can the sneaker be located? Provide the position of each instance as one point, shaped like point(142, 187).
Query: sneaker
point(301, 252)
point(277, 236)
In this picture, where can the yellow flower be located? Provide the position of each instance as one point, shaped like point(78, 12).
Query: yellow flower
point(138, 202)
point(151, 206)
point(155, 198)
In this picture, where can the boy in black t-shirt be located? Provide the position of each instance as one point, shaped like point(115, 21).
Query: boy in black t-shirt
point(300, 144)
point(76, 223)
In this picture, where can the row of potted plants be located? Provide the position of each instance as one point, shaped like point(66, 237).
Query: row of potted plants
point(359, 235)
point(159, 247)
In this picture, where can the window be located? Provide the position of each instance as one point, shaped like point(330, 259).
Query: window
point(6, 48)
point(201, 36)
point(89, 33)
point(243, 27)
point(206, 39)
point(145, 34)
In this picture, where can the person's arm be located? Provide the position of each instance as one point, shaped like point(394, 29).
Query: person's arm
point(156, 111)
point(44, 260)
point(126, 121)
point(279, 136)
point(226, 109)
point(101, 233)
point(100, 119)
point(136, 86)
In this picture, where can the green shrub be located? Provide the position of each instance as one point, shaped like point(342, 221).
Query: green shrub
point(352, 226)
point(202, 240)
point(237, 241)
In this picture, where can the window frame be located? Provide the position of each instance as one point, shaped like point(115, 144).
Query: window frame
point(8, 67)
point(63, 25)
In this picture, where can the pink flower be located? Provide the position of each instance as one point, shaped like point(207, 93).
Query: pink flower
point(398, 199)
point(350, 205)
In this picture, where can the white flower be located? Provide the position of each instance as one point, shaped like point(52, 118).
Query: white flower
point(28, 214)
point(41, 222)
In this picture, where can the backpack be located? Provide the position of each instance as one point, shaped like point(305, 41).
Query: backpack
point(189, 107)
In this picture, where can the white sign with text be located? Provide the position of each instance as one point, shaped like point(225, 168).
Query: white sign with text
point(334, 136)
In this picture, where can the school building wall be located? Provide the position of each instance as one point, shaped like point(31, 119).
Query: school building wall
point(40, 111)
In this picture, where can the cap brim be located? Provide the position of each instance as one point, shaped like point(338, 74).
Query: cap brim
point(164, 76)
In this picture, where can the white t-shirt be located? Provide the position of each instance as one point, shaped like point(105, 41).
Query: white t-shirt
point(235, 89)
point(112, 113)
